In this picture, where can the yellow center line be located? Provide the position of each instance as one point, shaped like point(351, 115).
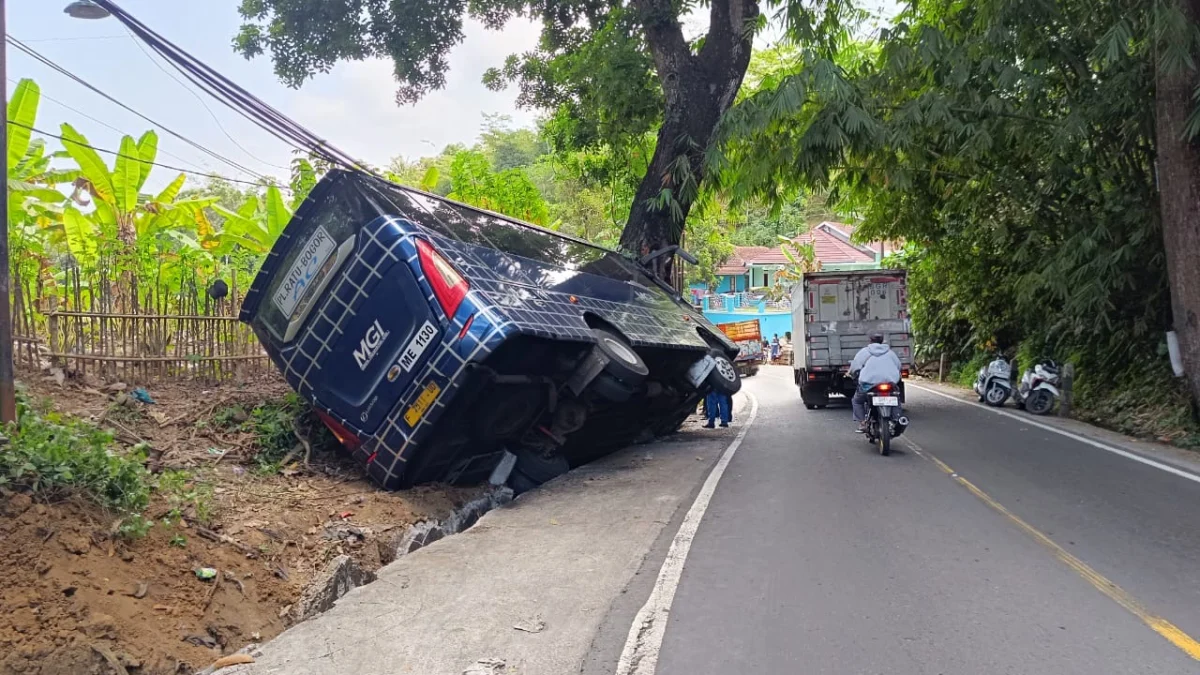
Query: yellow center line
point(1159, 625)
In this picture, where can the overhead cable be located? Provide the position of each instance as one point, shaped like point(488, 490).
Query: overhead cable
point(232, 95)
point(29, 51)
point(106, 124)
point(264, 183)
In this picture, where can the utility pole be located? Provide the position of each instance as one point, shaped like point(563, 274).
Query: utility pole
point(8, 392)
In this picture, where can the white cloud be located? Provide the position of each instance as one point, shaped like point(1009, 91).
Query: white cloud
point(354, 107)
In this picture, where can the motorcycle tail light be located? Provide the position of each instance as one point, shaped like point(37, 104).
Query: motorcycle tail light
point(885, 387)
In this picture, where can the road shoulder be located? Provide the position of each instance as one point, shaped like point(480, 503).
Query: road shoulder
point(1184, 460)
point(528, 586)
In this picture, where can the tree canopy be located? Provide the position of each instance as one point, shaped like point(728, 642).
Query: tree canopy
point(609, 73)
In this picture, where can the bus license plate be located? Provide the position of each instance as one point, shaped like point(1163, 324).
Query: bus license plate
point(417, 410)
point(886, 400)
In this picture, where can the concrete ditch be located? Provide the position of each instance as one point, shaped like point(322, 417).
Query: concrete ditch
point(343, 575)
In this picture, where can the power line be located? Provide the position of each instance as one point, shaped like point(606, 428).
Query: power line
point(235, 97)
point(199, 99)
point(54, 66)
point(80, 39)
point(265, 183)
point(106, 125)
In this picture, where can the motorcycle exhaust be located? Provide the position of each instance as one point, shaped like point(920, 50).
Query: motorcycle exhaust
point(903, 421)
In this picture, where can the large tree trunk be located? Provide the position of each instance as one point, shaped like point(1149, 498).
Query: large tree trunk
point(699, 89)
point(1179, 198)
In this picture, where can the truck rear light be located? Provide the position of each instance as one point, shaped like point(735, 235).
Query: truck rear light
point(344, 435)
point(449, 287)
point(812, 377)
point(904, 373)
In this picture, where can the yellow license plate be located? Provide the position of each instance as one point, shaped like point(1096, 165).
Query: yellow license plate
point(417, 410)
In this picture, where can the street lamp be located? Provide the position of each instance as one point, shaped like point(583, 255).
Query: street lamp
point(79, 9)
point(86, 9)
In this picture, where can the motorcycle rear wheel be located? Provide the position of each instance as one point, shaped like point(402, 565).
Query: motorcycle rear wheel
point(1040, 402)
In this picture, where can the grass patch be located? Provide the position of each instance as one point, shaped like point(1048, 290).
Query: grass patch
point(53, 456)
point(186, 497)
point(273, 425)
point(963, 373)
point(1146, 400)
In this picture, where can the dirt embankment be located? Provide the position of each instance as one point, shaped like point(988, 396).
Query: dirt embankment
point(78, 597)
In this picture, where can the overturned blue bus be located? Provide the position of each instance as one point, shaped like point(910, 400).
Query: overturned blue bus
point(439, 342)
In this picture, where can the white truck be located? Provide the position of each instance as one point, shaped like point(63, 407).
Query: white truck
point(834, 315)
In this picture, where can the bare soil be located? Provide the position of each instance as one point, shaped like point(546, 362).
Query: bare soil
point(76, 598)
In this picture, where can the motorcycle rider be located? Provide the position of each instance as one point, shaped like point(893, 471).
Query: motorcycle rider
point(874, 364)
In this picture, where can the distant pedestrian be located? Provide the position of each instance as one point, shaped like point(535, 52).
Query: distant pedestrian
point(775, 347)
point(718, 405)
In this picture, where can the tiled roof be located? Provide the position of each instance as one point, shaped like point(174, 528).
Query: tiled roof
point(831, 242)
point(736, 265)
point(831, 249)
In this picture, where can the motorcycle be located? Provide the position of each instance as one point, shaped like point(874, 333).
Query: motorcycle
point(1038, 389)
point(885, 417)
point(992, 384)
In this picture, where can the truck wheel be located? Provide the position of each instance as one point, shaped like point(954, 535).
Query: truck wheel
point(810, 406)
point(520, 483)
point(724, 377)
point(611, 389)
point(538, 467)
point(623, 363)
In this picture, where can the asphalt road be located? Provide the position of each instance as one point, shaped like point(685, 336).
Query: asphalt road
point(816, 555)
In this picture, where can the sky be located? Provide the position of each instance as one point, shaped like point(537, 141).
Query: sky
point(353, 106)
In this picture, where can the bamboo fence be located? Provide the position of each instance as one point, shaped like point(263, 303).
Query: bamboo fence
point(140, 347)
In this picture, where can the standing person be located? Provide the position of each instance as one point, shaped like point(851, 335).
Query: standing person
point(718, 404)
point(775, 348)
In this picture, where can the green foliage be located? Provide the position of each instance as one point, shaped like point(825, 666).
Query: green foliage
point(273, 426)
point(1011, 145)
point(186, 496)
point(1143, 399)
point(53, 457)
point(509, 192)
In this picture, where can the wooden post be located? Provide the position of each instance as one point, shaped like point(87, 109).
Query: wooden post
point(1068, 386)
point(942, 368)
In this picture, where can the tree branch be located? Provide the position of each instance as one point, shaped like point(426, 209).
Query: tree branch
point(664, 36)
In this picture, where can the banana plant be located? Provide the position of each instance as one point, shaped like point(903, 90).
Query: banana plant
point(121, 209)
point(30, 179)
point(35, 206)
point(256, 224)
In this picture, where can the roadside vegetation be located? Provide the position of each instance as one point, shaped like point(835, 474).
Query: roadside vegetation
point(1042, 184)
point(55, 457)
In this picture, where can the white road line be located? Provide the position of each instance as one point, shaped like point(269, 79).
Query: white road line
point(640, 656)
point(1025, 419)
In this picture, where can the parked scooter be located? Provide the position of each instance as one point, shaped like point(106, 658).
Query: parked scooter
point(993, 383)
point(1038, 389)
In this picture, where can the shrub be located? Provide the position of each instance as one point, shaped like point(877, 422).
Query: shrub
point(54, 456)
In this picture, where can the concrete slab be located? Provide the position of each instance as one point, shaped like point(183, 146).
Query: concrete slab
point(552, 562)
